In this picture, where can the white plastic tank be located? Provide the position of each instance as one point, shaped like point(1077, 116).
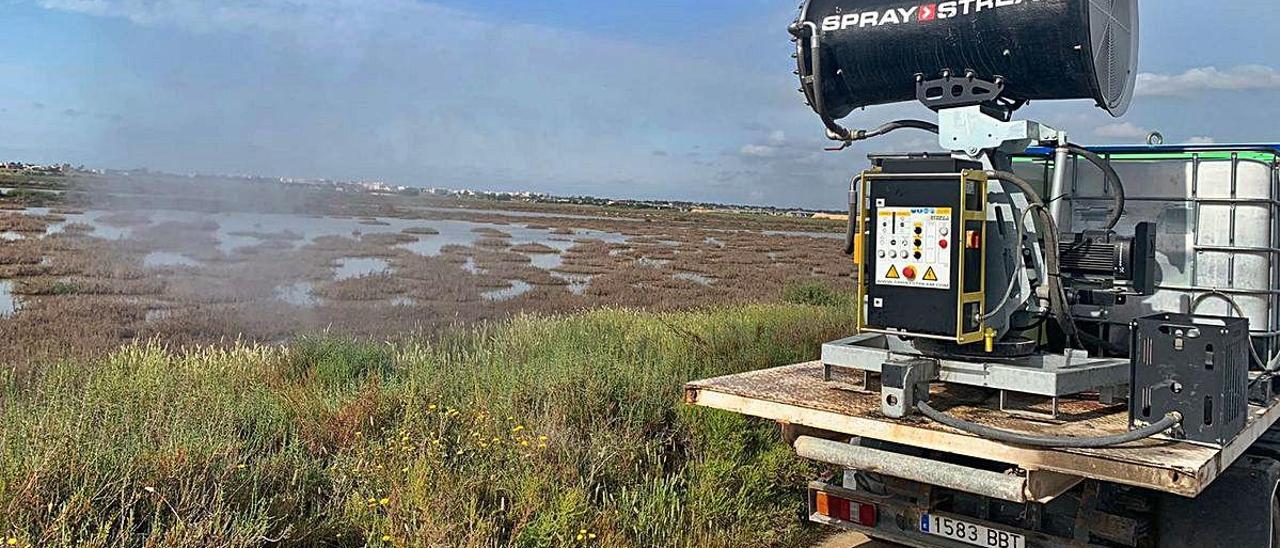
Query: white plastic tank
point(1216, 212)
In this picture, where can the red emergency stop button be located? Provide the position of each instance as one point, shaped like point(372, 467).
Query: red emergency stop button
point(943, 244)
point(909, 272)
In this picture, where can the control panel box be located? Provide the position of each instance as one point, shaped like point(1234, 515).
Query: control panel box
point(922, 265)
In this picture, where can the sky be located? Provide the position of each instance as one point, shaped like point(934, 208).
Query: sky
point(662, 99)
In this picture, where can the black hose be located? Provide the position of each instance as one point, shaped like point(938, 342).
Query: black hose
point(1057, 295)
point(837, 131)
point(814, 92)
point(1050, 442)
point(1113, 178)
point(851, 230)
point(894, 126)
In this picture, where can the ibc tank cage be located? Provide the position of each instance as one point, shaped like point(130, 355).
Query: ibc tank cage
point(1217, 209)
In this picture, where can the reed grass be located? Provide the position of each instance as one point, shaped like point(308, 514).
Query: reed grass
point(565, 431)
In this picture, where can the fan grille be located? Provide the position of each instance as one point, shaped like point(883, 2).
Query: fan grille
point(1114, 47)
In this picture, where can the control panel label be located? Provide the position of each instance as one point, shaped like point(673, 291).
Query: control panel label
point(913, 247)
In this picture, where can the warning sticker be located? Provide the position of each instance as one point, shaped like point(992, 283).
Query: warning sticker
point(913, 246)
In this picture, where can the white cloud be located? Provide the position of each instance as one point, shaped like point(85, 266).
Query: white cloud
point(774, 146)
point(758, 151)
point(414, 92)
point(1122, 130)
point(1201, 140)
point(1206, 79)
point(352, 16)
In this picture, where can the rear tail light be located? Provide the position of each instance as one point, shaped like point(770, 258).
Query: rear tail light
point(844, 509)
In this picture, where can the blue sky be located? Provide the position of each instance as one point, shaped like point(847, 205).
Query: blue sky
point(664, 99)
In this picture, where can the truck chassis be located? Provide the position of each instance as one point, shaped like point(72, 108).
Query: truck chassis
point(895, 478)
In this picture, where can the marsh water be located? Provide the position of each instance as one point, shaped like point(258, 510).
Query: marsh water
point(239, 230)
point(8, 304)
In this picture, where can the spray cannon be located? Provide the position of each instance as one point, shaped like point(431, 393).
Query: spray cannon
point(991, 55)
point(958, 231)
point(966, 271)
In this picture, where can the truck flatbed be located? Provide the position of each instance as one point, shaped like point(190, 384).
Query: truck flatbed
point(799, 395)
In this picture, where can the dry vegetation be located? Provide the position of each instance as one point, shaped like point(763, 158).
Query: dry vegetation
point(147, 401)
point(84, 292)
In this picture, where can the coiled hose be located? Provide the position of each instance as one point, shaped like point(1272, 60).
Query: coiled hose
point(1050, 442)
point(1113, 179)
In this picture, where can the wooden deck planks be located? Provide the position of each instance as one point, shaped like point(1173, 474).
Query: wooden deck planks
point(797, 394)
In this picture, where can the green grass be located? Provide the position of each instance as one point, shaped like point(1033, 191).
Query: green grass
point(815, 294)
point(536, 432)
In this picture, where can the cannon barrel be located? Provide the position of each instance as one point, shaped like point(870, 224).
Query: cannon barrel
point(873, 51)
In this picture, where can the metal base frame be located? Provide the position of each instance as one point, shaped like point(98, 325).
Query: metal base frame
point(1048, 375)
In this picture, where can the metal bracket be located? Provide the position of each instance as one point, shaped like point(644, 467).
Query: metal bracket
point(1064, 374)
point(952, 91)
point(1113, 395)
point(903, 383)
point(972, 131)
point(1027, 412)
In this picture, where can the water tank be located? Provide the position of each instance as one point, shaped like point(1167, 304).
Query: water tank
point(872, 50)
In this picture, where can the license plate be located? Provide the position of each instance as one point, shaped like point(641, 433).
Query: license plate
point(970, 533)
